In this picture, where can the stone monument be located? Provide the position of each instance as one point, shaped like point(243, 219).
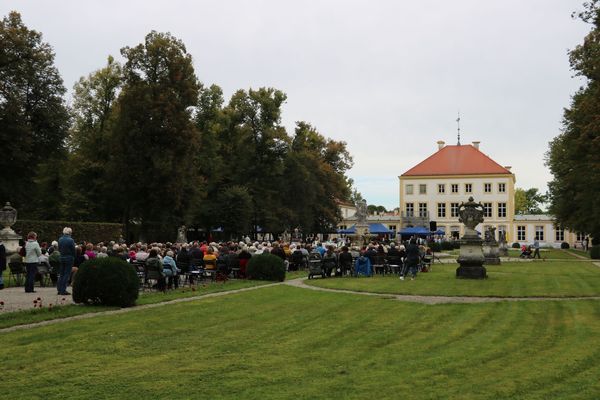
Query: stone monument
point(490, 247)
point(471, 256)
point(362, 233)
point(502, 245)
point(182, 234)
point(8, 217)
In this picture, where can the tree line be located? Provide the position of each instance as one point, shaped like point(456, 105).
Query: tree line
point(145, 142)
point(574, 155)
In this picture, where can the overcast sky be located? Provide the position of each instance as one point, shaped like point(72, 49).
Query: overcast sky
point(387, 77)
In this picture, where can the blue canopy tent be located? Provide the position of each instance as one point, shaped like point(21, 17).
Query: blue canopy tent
point(439, 232)
point(415, 230)
point(348, 231)
point(379, 229)
point(375, 229)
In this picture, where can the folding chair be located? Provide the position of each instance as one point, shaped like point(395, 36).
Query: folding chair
point(394, 263)
point(378, 264)
point(43, 274)
point(17, 273)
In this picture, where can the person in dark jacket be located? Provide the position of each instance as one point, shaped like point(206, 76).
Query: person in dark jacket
point(411, 263)
point(345, 261)
point(66, 248)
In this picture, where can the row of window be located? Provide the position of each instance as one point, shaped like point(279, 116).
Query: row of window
point(441, 210)
point(454, 187)
point(559, 234)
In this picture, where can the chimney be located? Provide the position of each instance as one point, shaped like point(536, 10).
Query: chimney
point(508, 167)
point(440, 144)
point(476, 144)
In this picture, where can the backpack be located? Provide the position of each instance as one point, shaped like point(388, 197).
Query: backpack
point(22, 251)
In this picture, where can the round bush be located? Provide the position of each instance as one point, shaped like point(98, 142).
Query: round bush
point(266, 267)
point(595, 252)
point(108, 281)
point(435, 247)
point(516, 245)
point(564, 245)
point(446, 245)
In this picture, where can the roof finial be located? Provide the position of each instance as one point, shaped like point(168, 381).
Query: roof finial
point(458, 124)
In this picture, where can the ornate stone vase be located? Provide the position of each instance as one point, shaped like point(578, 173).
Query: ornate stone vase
point(471, 256)
point(8, 217)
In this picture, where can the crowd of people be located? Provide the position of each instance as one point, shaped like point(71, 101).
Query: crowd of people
point(176, 260)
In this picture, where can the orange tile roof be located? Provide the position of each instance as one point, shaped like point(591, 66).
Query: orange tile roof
point(457, 160)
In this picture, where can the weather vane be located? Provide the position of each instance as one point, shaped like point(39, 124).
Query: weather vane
point(458, 124)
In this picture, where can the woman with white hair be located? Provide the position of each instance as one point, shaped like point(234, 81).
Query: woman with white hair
point(170, 270)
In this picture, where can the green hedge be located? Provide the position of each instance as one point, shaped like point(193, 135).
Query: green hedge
point(595, 252)
point(48, 231)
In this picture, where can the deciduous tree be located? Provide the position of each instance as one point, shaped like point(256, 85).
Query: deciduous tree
point(573, 155)
point(33, 119)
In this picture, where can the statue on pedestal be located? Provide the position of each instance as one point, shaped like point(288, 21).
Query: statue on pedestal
point(490, 247)
point(8, 217)
point(471, 256)
point(182, 234)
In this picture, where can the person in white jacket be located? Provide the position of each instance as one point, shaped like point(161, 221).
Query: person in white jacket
point(32, 257)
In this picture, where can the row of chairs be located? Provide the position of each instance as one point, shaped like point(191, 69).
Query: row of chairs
point(151, 277)
point(18, 273)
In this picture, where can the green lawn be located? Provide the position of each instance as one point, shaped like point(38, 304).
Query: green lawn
point(554, 254)
point(550, 254)
point(537, 278)
point(582, 253)
point(289, 343)
point(8, 319)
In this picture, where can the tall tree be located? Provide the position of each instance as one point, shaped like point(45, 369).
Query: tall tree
point(93, 112)
point(33, 119)
point(155, 142)
point(529, 201)
point(573, 155)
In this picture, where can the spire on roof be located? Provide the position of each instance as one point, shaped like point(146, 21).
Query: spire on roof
point(458, 124)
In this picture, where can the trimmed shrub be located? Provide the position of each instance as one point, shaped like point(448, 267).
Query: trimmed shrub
point(446, 245)
point(595, 252)
point(48, 231)
point(516, 245)
point(564, 245)
point(435, 247)
point(266, 267)
point(108, 281)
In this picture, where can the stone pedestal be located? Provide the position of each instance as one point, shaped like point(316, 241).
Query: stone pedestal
point(502, 249)
point(471, 259)
point(361, 236)
point(10, 240)
point(491, 253)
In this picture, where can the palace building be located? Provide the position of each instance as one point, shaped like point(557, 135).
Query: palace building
point(431, 192)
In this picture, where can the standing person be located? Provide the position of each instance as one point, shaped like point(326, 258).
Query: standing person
point(411, 263)
point(536, 249)
point(2, 263)
point(586, 243)
point(66, 248)
point(32, 256)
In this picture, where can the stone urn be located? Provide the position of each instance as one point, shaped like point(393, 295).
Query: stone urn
point(8, 217)
point(471, 256)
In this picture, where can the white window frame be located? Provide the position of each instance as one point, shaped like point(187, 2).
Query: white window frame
point(502, 210)
point(441, 207)
point(521, 233)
